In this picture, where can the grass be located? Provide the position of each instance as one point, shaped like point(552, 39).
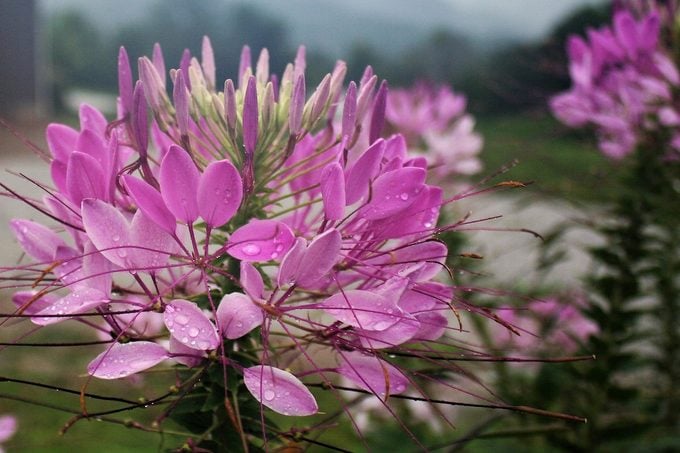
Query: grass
point(560, 162)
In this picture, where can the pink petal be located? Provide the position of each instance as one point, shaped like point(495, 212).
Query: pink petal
point(320, 257)
point(251, 280)
point(250, 117)
point(399, 333)
point(149, 200)
point(424, 297)
point(260, 240)
point(61, 140)
point(27, 302)
point(280, 391)
point(8, 426)
point(122, 360)
point(108, 230)
point(79, 301)
point(96, 270)
point(93, 145)
point(364, 169)
point(432, 326)
point(84, 178)
point(220, 191)
point(393, 192)
point(372, 374)
point(179, 184)
point(92, 120)
point(363, 309)
point(37, 240)
point(190, 325)
point(237, 315)
point(290, 264)
point(153, 245)
point(333, 191)
point(187, 356)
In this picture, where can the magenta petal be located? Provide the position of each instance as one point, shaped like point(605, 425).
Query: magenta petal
point(61, 140)
point(349, 111)
point(122, 360)
point(399, 333)
point(150, 202)
point(363, 309)
point(124, 81)
point(179, 184)
point(95, 272)
point(92, 144)
point(424, 297)
point(372, 374)
point(333, 191)
point(251, 280)
point(378, 114)
point(190, 325)
point(260, 240)
point(237, 315)
point(37, 240)
point(291, 262)
point(92, 119)
point(79, 301)
point(84, 178)
point(432, 326)
point(181, 97)
point(393, 192)
point(320, 257)
point(220, 191)
point(279, 390)
point(364, 169)
point(250, 117)
point(108, 230)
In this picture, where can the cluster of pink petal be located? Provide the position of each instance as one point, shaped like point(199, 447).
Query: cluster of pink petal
point(434, 122)
point(324, 231)
point(554, 323)
point(623, 85)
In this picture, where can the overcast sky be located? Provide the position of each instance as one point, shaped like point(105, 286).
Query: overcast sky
point(484, 21)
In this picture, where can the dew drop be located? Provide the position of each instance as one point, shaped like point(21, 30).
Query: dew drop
point(427, 224)
point(185, 340)
point(275, 255)
point(115, 238)
point(404, 196)
point(269, 395)
point(193, 332)
point(251, 249)
point(181, 319)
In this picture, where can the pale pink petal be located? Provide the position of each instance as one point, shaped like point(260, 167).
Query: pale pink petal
point(251, 280)
point(432, 326)
point(122, 360)
point(363, 309)
point(152, 245)
point(8, 426)
point(37, 240)
point(29, 304)
point(183, 354)
point(279, 390)
point(237, 315)
point(220, 190)
point(79, 301)
point(190, 325)
point(179, 183)
point(84, 178)
point(372, 374)
point(108, 230)
point(260, 240)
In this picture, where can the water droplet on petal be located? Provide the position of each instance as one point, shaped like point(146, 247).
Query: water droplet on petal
point(181, 319)
point(404, 196)
point(193, 332)
point(251, 249)
point(269, 395)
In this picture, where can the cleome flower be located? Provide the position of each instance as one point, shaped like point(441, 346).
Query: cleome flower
point(247, 230)
point(623, 82)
